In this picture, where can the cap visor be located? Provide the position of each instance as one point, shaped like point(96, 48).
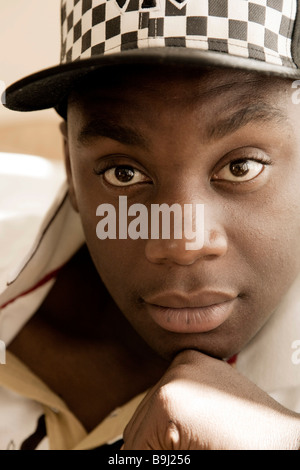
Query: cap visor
point(47, 88)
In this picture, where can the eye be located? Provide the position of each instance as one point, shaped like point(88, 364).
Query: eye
point(123, 175)
point(240, 170)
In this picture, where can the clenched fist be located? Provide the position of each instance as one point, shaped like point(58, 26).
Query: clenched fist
point(203, 403)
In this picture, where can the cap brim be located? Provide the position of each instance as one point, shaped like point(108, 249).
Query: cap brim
point(47, 88)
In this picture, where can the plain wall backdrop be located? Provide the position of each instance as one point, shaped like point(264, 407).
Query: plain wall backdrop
point(29, 42)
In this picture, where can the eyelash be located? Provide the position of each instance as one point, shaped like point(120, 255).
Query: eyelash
point(106, 168)
point(264, 161)
point(110, 166)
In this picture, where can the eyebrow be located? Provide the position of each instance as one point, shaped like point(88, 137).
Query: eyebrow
point(259, 111)
point(103, 127)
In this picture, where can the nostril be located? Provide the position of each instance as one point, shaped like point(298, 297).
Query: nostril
point(161, 251)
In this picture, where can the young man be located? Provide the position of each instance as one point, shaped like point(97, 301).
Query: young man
point(115, 333)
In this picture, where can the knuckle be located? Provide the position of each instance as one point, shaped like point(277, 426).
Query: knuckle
point(165, 394)
point(172, 436)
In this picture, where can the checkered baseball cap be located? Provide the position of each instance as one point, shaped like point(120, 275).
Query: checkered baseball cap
point(260, 35)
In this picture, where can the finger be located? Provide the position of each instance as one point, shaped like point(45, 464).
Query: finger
point(139, 415)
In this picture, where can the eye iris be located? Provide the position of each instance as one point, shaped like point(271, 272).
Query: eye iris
point(124, 174)
point(239, 168)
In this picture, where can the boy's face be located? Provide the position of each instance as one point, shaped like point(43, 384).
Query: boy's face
point(227, 140)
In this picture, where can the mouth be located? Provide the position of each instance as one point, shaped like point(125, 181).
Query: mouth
point(194, 314)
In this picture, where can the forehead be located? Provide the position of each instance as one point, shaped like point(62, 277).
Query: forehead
point(179, 85)
point(119, 102)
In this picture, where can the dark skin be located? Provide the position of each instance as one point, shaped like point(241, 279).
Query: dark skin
point(192, 145)
point(73, 358)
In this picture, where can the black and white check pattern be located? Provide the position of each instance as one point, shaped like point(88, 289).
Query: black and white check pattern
point(259, 29)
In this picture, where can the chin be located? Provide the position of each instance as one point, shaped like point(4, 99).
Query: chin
point(204, 343)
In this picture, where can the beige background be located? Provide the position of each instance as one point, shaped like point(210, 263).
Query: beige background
point(29, 42)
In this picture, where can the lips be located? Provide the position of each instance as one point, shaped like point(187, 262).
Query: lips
point(196, 313)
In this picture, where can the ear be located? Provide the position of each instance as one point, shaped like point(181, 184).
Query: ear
point(66, 151)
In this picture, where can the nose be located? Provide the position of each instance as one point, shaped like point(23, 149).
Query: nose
point(181, 251)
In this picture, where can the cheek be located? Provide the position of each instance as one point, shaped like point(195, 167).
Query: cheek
point(271, 242)
point(118, 262)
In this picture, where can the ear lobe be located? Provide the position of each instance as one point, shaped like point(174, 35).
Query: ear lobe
point(66, 151)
